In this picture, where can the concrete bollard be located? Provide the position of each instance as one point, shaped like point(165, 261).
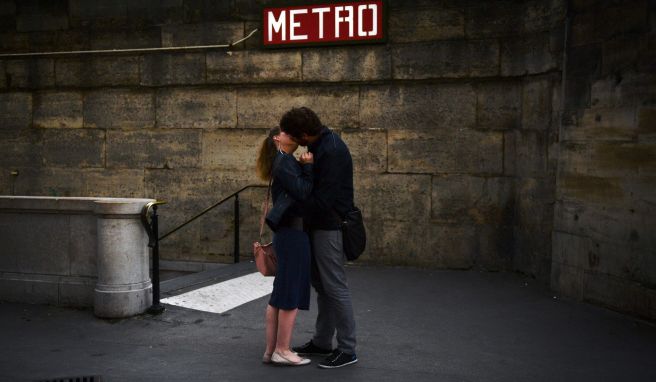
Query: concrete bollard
point(124, 287)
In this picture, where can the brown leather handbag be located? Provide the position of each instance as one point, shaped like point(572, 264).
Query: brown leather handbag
point(265, 257)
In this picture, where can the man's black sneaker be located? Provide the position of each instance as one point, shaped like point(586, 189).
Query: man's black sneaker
point(311, 349)
point(338, 359)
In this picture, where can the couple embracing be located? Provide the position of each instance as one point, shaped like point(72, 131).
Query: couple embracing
point(309, 196)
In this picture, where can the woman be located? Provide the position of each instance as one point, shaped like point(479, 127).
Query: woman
point(291, 183)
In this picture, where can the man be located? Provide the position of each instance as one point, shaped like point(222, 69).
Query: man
point(332, 196)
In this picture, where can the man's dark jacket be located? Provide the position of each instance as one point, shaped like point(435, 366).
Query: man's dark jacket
point(333, 182)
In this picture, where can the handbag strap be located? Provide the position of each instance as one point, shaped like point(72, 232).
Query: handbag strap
point(266, 209)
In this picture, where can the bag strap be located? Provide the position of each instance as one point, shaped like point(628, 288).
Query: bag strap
point(266, 209)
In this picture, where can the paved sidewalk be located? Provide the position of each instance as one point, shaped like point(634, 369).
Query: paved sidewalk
point(413, 325)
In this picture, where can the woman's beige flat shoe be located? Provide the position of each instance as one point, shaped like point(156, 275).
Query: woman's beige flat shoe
point(279, 359)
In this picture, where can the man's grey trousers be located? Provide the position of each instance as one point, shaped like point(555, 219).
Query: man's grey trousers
point(333, 295)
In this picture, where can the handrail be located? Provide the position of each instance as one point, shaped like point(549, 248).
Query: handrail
point(208, 209)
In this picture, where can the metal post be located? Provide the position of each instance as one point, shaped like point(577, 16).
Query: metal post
point(157, 308)
point(236, 228)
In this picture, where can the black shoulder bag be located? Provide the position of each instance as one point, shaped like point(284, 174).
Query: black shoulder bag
point(354, 235)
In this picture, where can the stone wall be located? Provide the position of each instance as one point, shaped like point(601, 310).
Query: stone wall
point(452, 123)
point(604, 246)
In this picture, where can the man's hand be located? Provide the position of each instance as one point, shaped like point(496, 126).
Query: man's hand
point(307, 158)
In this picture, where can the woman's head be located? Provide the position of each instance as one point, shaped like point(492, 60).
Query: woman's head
point(275, 141)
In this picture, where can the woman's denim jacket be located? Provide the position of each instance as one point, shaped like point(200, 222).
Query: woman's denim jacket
point(292, 183)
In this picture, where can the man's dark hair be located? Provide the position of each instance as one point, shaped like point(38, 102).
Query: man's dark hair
point(300, 120)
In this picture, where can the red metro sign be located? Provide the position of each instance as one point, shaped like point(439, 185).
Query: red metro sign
point(354, 22)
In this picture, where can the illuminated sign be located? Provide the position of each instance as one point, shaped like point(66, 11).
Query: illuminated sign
point(354, 22)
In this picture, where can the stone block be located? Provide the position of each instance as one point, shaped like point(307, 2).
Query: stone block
point(196, 108)
point(7, 15)
point(12, 41)
point(156, 12)
point(646, 123)
point(97, 71)
point(74, 148)
point(347, 64)
point(582, 30)
point(368, 149)
point(77, 292)
point(620, 53)
point(397, 197)
point(590, 188)
point(24, 149)
point(231, 149)
point(202, 33)
point(622, 18)
point(465, 199)
point(457, 59)
point(445, 150)
point(3, 75)
point(253, 66)
point(603, 124)
point(435, 23)
point(633, 89)
point(33, 289)
point(83, 241)
point(145, 37)
point(30, 73)
point(536, 103)
point(336, 106)
point(99, 14)
point(498, 105)
point(543, 15)
point(525, 153)
point(119, 108)
point(58, 109)
point(153, 148)
point(452, 246)
point(41, 15)
point(530, 54)
point(417, 106)
point(81, 182)
point(173, 69)
point(566, 280)
point(493, 20)
point(15, 112)
point(255, 41)
point(393, 242)
point(36, 252)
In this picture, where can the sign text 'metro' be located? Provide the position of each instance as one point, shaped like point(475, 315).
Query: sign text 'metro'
point(358, 21)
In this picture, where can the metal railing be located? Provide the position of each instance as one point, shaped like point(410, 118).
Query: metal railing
point(152, 228)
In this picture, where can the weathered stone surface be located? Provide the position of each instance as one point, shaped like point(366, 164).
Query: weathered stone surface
point(200, 10)
point(536, 103)
point(231, 149)
point(119, 108)
point(452, 246)
point(647, 123)
point(529, 54)
point(201, 34)
point(41, 15)
point(347, 64)
point(97, 71)
point(197, 108)
point(154, 12)
point(635, 88)
point(603, 124)
point(125, 38)
point(7, 15)
point(445, 150)
point(615, 19)
point(74, 148)
point(565, 279)
point(417, 106)
point(24, 149)
point(98, 14)
point(525, 153)
point(475, 200)
point(619, 294)
point(58, 109)
point(82, 250)
point(368, 149)
point(620, 53)
point(153, 148)
point(336, 106)
point(32, 73)
point(436, 23)
point(498, 105)
point(253, 66)
point(3, 75)
point(399, 197)
point(505, 18)
point(80, 182)
point(15, 112)
point(171, 69)
point(608, 159)
point(457, 59)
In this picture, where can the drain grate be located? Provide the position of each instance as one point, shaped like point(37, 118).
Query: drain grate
point(86, 378)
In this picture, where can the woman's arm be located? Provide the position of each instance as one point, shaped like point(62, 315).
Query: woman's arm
point(295, 179)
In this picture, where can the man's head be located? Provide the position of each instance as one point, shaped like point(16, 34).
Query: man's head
point(302, 124)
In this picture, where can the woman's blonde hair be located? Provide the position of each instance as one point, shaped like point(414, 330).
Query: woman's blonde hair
point(267, 155)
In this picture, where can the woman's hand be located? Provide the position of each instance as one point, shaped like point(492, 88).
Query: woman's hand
point(307, 158)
